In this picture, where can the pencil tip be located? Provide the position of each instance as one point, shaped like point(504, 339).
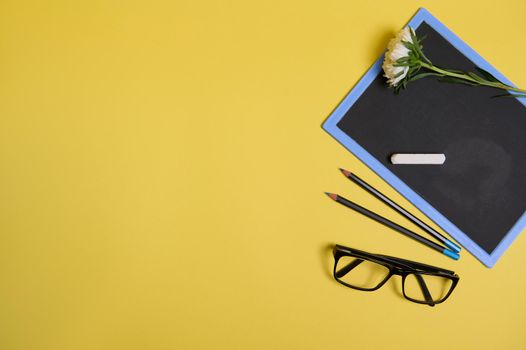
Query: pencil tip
point(345, 172)
point(332, 195)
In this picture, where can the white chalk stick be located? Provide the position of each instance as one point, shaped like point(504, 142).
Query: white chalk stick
point(418, 158)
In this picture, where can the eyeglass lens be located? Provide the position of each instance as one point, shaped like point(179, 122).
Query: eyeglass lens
point(360, 273)
point(417, 285)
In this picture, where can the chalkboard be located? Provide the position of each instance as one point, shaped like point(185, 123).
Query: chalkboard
point(479, 195)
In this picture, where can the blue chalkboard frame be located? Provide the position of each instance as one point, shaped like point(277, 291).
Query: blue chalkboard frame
point(330, 125)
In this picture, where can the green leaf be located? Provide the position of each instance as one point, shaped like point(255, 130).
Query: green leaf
point(454, 71)
point(413, 70)
point(403, 60)
point(511, 95)
point(422, 38)
point(448, 79)
point(398, 74)
point(414, 38)
point(488, 75)
point(406, 62)
point(418, 48)
point(423, 75)
point(424, 57)
point(409, 45)
point(476, 77)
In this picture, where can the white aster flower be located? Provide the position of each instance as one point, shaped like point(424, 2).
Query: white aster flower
point(395, 51)
point(405, 62)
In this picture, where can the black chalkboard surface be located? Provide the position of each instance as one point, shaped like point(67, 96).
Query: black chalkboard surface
point(481, 187)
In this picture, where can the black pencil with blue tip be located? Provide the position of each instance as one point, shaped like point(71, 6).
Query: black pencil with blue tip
point(394, 226)
point(354, 178)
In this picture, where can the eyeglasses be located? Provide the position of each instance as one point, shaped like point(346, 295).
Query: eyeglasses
point(421, 283)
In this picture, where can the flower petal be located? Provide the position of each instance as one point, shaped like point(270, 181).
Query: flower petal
point(396, 50)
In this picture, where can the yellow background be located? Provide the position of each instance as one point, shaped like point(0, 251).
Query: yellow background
point(162, 170)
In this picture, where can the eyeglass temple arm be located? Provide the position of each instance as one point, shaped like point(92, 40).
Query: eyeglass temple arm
point(423, 286)
point(415, 264)
point(346, 269)
point(391, 259)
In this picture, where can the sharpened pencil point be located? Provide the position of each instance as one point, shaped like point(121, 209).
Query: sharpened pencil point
point(345, 172)
point(332, 195)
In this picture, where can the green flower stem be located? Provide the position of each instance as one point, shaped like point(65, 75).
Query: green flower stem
point(470, 79)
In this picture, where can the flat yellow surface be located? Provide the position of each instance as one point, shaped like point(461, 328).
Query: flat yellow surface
point(162, 170)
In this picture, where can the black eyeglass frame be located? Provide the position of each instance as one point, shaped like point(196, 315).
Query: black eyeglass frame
point(396, 266)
